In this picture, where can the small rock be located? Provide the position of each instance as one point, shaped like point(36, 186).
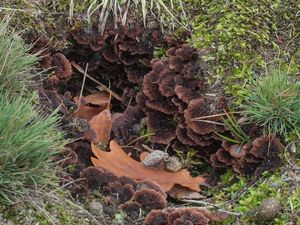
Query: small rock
point(173, 164)
point(96, 207)
point(155, 159)
point(269, 209)
point(274, 185)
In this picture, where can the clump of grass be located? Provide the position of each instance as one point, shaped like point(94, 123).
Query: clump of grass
point(163, 11)
point(15, 62)
point(274, 103)
point(28, 143)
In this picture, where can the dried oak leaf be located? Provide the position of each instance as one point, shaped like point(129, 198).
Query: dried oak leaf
point(119, 163)
point(180, 192)
point(100, 128)
point(97, 98)
point(91, 105)
point(87, 112)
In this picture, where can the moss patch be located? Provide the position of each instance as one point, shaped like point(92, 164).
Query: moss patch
point(242, 36)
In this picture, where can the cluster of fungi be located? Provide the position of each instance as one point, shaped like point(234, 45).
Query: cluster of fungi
point(173, 94)
point(165, 95)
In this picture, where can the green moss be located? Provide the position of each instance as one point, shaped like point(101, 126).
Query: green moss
point(246, 199)
point(160, 52)
point(243, 35)
point(50, 210)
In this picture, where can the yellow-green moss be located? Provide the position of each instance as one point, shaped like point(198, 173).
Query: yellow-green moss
point(245, 199)
point(242, 36)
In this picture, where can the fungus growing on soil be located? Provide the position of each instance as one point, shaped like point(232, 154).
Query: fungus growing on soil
point(62, 66)
point(49, 59)
point(252, 158)
point(126, 191)
point(123, 192)
point(131, 208)
point(150, 199)
point(176, 216)
point(174, 94)
point(126, 126)
point(123, 54)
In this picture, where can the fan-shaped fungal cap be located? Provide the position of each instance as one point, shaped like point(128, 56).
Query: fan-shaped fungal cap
point(131, 208)
point(187, 216)
point(198, 108)
point(150, 199)
point(146, 184)
point(122, 192)
point(162, 127)
point(156, 217)
point(96, 177)
point(181, 216)
point(62, 66)
point(266, 146)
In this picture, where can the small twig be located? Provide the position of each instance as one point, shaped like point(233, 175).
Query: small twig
point(139, 220)
point(129, 102)
point(166, 148)
point(71, 12)
point(229, 212)
point(211, 116)
point(93, 79)
point(140, 137)
point(211, 205)
point(82, 86)
point(212, 122)
point(199, 202)
point(76, 139)
point(147, 148)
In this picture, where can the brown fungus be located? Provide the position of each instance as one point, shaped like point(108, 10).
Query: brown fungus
point(162, 126)
point(181, 216)
point(62, 66)
point(97, 177)
point(131, 208)
point(174, 94)
point(252, 158)
point(156, 217)
point(121, 192)
point(150, 199)
point(197, 108)
point(146, 184)
point(123, 53)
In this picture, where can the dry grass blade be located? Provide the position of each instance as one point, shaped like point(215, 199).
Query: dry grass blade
point(207, 117)
point(211, 122)
point(171, 14)
point(71, 11)
point(91, 11)
point(83, 83)
point(144, 11)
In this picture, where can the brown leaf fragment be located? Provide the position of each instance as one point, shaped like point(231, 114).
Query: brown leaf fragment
point(119, 163)
point(87, 112)
point(100, 128)
point(180, 192)
point(97, 98)
point(91, 105)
